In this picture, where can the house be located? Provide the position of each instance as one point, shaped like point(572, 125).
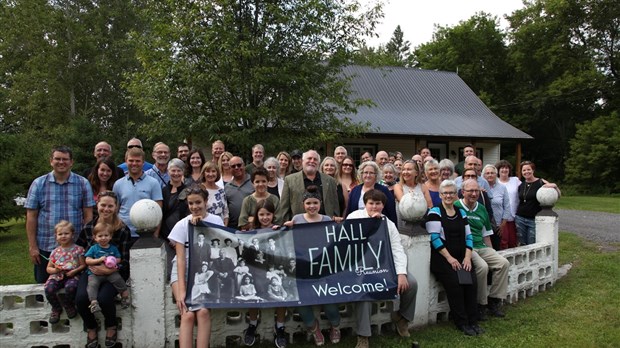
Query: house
point(415, 108)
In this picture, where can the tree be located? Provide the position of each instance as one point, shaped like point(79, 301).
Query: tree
point(555, 85)
point(594, 160)
point(64, 59)
point(249, 71)
point(395, 53)
point(476, 50)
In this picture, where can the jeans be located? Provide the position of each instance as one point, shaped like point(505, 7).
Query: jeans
point(332, 312)
point(526, 230)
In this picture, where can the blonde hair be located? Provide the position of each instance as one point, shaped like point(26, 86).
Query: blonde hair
point(62, 224)
point(103, 227)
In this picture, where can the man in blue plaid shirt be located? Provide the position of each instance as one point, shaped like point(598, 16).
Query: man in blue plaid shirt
point(58, 195)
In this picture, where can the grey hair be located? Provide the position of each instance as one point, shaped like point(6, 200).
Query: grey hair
point(379, 172)
point(317, 155)
point(489, 166)
point(175, 162)
point(431, 163)
point(446, 163)
point(447, 183)
point(272, 160)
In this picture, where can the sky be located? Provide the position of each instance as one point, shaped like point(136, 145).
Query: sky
point(418, 17)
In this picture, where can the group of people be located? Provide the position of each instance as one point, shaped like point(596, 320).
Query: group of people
point(495, 211)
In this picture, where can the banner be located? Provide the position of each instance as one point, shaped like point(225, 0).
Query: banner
point(309, 264)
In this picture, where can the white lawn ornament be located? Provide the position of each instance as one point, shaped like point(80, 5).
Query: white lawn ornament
point(412, 207)
point(547, 196)
point(145, 215)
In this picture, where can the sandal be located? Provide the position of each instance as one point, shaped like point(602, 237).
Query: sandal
point(110, 341)
point(71, 312)
point(54, 317)
point(94, 307)
point(125, 302)
point(92, 342)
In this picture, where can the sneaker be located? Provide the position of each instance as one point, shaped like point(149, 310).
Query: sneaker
point(402, 325)
point(478, 329)
point(317, 335)
point(482, 312)
point(249, 335)
point(467, 330)
point(334, 335)
point(94, 307)
point(125, 302)
point(362, 342)
point(494, 307)
point(54, 317)
point(279, 337)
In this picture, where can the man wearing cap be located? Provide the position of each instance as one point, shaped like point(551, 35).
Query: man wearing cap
point(291, 201)
point(297, 162)
point(103, 150)
point(161, 155)
point(134, 143)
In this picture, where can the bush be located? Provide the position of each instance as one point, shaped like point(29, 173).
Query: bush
point(594, 160)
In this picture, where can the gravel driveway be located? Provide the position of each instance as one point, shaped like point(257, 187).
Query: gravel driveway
point(597, 227)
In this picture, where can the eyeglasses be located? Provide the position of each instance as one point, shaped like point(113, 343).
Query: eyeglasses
point(449, 193)
point(132, 146)
point(235, 166)
point(369, 173)
point(106, 194)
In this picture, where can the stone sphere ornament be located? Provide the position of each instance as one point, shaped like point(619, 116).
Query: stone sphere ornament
point(145, 215)
point(412, 207)
point(547, 196)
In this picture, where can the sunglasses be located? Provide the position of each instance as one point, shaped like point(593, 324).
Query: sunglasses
point(193, 190)
point(347, 165)
point(132, 146)
point(235, 166)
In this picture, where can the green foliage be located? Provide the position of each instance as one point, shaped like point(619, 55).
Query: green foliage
point(66, 59)
point(24, 157)
point(249, 71)
point(395, 53)
point(594, 159)
point(474, 48)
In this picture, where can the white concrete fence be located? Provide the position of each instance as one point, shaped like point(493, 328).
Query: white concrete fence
point(153, 319)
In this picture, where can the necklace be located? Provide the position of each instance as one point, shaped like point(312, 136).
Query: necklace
point(528, 186)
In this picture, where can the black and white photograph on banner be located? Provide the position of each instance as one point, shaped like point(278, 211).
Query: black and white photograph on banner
point(307, 264)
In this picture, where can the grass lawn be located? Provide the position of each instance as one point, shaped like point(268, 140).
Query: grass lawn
point(581, 310)
point(608, 204)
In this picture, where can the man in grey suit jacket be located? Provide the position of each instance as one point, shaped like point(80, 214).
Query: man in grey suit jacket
point(291, 202)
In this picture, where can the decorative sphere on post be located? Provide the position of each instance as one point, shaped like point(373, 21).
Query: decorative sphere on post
point(145, 215)
point(412, 207)
point(547, 196)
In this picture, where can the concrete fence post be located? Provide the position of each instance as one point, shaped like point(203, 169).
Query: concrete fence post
point(547, 229)
point(148, 271)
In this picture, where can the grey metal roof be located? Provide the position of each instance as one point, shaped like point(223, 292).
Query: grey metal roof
point(424, 102)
